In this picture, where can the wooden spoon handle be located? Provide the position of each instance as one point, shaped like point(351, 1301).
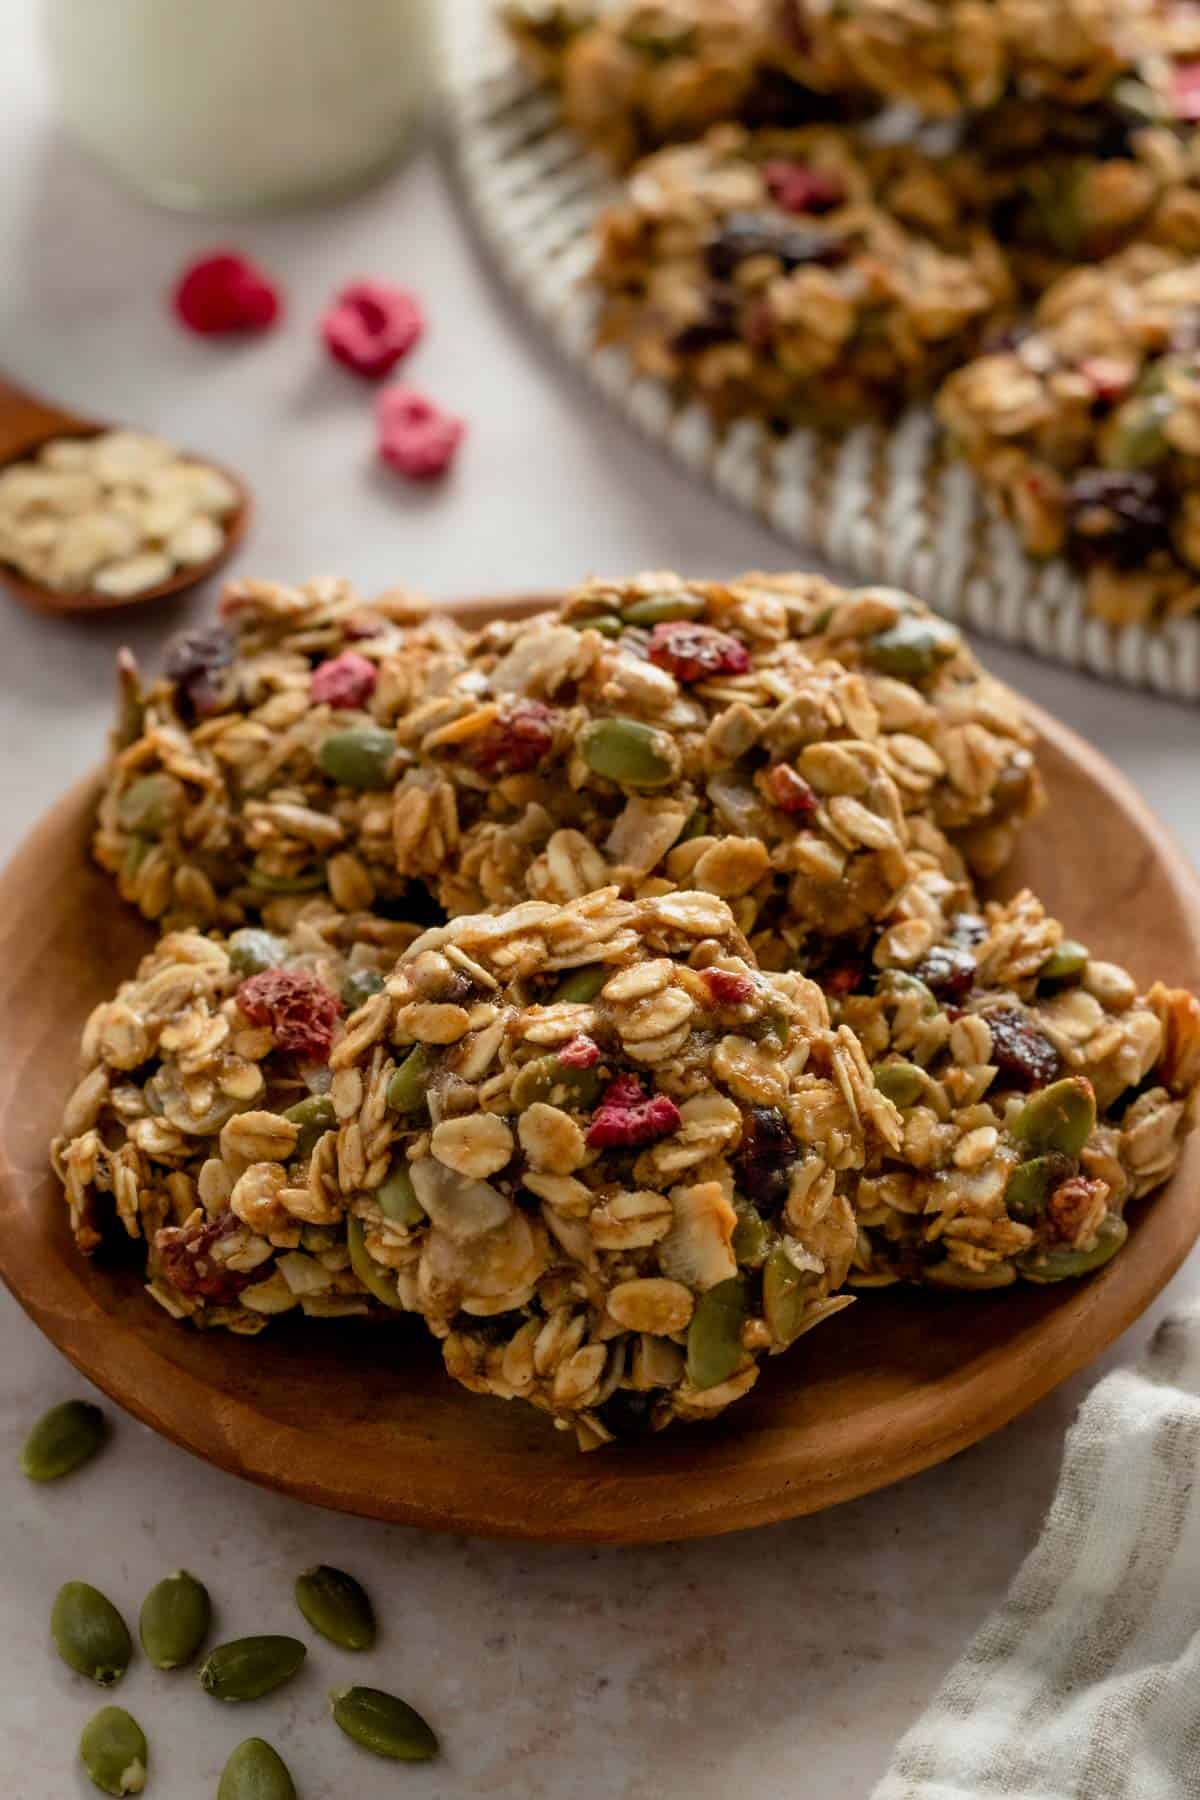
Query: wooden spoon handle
point(26, 421)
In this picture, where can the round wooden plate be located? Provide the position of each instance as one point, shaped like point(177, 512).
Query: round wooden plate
point(361, 1418)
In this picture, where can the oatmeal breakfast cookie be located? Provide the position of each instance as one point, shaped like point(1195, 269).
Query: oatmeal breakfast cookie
point(1087, 431)
point(258, 769)
point(804, 276)
point(1040, 1092)
point(822, 759)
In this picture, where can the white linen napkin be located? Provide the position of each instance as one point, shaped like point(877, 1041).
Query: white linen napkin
point(1085, 1685)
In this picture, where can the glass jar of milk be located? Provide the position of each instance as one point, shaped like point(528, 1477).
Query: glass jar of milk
point(222, 105)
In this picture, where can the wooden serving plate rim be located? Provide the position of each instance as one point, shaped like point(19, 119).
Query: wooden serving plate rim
point(688, 1483)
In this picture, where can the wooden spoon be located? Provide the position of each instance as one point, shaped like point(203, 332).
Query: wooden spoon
point(26, 423)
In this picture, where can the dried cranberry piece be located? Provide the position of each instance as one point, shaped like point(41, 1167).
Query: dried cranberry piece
point(842, 979)
point(789, 791)
point(746, 234)
point(1185, 91)
point(185, 1254)
point(346, 681)
point(764, 1158)
point(301, 1011)
point(799, 188)
point(194, 662)
point(948, 971)
point(515, 741)
point(1019, 1050)
point(226, 292)
point(726, 987)
point(414, 436)
point(693, 652)
point(371, 325)
point(581, 1053)
point(1119, 515)
point(628, 1115)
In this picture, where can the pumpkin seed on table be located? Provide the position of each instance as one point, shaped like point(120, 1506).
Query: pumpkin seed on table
point(628, 751)
point(406, 1089)
point(1060, 1117)
point(337, 1606)
point(383, 1724)
point(247, 1668)
point(112, 1748)
point(255, 1771)
point(175, 1619)
point(89, 1633)
point(373, 1275)
point(359, 758)
point(63, 1440)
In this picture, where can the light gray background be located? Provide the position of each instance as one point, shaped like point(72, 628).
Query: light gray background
point(784, 1662)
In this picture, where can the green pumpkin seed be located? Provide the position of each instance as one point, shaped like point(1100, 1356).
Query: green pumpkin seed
point(750, 1235)
point(373, 1276)
point(136, 852)
point(660, 609)
point(912, 648)
point(582, 984)
point(337, 1606)
point(714, 1343)
point(307, 882)
point(1137, 438)
point(406, 1089)
point(359, 985)
point(1045, 1266)
point(629, 752)
point(1031, 1184)
point(607, 624)
point(112, 1748)
point(359, 758)
point(315, 1116)
point(903, 1083)
point(89, 1633)
point(175, 1618)
point(63, 1440)
point(1065, 962)
point(247, 1668)
point(251, 951)
point(1061, 1117)
point(546, 1076)
point(787, 1292)
point(148, 805)
point(397, 1197)
point(256, 1772)
point(383, 1724)
point(894, 983)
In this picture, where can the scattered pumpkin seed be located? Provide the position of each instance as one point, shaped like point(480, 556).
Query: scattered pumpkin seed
point(247, 1668)
point(397, 1197)
point(359, 985)
point(251, 951)
point(787, 1291)
point(628, 751)
point(903, 1083)
point(1060, 1117)
point(750, 1236)
point(714, 1341)
point(406, 1089)
point(63, 1440)
point(1065, 962)
point(545, 1076)
point(315, 1116)
point(659, 609)
point(912, 647)
point(256, 1772)
point(112, 1748)
point(89, 1633)
point(383, 1724)
point(148, 804)
point(361, 757)
point(1062, 1265)
point(1031, 1184)
point(337, 1606)
point(175, 1619)
point(582, 984)
point(372, 1275)
point(607, 624)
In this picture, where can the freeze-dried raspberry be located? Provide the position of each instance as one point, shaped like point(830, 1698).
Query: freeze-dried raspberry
point(186, 1255)
point(948, 971)
point(726, 987)
point(414, 435)
point(346, 681)
point(801, 189)
point(516, 740)
point(1019, 1050)
point(581, 1053)
point(789, 791)
point(1185, 91)
point(1111, 377)
point(301, 1011)
point(692, 652)
point(196, 662)
point(764, 1159)
point(628, 1115)
point(226, 292)
point(371, 325)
